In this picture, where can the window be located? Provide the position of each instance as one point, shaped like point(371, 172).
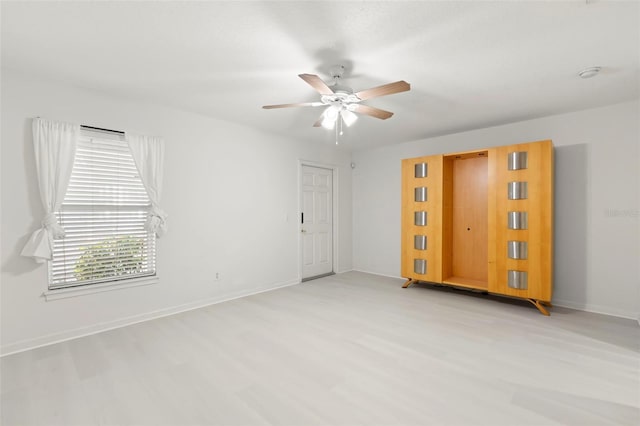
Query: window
point(103, 214)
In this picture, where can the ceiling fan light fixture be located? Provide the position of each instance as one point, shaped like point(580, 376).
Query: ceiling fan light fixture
point(333, 111)
point(330, 116)
point(348, 117)
point(328, 124)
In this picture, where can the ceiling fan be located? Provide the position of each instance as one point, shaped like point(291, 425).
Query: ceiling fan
point(342, 102)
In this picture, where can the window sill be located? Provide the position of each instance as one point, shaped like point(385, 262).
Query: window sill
point(64, 293)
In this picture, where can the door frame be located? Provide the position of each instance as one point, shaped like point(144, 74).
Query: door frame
point(334, 221)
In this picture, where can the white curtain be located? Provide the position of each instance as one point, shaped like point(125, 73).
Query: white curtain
point(55, 149)
point(148, 154)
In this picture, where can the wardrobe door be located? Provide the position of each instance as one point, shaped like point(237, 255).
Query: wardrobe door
point(521, 260)
point(465, 219)
point(422, 218)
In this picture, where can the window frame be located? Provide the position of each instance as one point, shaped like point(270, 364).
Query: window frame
point(75, 288)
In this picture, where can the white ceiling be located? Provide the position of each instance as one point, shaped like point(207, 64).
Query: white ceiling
point(470, 64)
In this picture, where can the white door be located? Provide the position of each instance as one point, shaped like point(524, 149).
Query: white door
point(316, 227)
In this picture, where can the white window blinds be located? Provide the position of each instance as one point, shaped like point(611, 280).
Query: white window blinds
point(103, 214)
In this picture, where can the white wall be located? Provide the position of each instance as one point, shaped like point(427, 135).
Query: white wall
point(231, 193)
point(597, 230)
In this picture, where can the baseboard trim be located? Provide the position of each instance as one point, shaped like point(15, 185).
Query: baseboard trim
point(595, 309)
point(378, 273)
point(318, 277)
point(51, 339)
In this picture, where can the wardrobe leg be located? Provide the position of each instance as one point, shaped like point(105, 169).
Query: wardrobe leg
point(541, 306)
point(408, 283)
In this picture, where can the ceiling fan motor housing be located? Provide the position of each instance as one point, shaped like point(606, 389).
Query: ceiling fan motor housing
point(342, 95)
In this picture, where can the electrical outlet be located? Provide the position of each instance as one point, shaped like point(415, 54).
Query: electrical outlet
point(217, 276)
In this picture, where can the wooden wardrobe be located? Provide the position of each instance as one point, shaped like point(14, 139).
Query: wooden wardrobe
point(482, 220)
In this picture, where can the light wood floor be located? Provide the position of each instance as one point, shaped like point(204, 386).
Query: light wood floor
point(350, 349)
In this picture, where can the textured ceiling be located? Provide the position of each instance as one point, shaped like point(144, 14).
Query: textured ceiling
point(470, 64)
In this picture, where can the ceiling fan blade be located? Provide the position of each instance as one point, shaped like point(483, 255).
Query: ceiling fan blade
point(317, 83)
point(373, 112)
point(304, 104)
point(384, 90)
